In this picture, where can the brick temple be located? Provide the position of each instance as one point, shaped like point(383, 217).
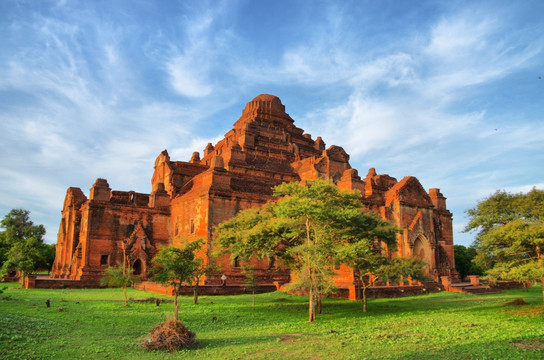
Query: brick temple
point(189, 198)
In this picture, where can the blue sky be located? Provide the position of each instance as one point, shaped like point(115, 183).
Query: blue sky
point(448, 91)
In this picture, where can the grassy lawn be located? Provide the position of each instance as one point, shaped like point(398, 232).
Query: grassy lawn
point(92, 324)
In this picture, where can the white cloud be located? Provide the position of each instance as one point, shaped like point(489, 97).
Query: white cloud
point(187, 78)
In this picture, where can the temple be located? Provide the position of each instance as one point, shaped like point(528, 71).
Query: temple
point(188, 199)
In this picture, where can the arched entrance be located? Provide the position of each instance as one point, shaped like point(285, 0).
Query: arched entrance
point(137, 267)
point(422, 250)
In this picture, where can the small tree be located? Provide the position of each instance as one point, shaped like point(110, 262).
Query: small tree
point(365, 259)
point(120, 276)
point(199, 270)
point(21, 244)
point(251, 282)
point(174, 266)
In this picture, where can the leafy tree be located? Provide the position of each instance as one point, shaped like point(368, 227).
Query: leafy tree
point(174, 266)
point(200, 268)
point(510, 235)
point(373, 262)
point(366, 259)
point(21, 244)
point(4, 248)
point(120, 276)
point(48, 252)
point(464, 261)
point(306, 228)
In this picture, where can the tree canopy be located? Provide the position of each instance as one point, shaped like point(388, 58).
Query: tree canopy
point(21, 244)
point(307, 228)
point(510, 235)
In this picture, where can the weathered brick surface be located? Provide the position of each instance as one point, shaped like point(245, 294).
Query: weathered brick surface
point(188, 199)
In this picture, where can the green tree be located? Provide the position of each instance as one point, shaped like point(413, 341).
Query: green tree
point(120, 276)
point(174, 266)
point(464, 261)
point(510, 235)
point(21, 244)
point(200, 268)
point(373, 262)
point(48, 251)
point(306, 228)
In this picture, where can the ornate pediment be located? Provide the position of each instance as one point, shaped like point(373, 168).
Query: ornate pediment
point(138, 245)
point(410, 192)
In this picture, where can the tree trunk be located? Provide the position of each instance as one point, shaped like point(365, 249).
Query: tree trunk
point(125, 295)
point(319, 304)
point(364, 298)
point(525, 286)
point(195, 294)
point(176, 303)
point(22, 276)
point(311, 307)
point(540, 259)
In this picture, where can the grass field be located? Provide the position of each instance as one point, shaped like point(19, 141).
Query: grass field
point(92, 324)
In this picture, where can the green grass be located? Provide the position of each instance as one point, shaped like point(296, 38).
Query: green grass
point(94, 325)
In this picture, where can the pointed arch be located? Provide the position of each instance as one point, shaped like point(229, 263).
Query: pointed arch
point(139, 267)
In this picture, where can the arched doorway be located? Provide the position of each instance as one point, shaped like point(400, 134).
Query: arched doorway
point(422, 250)
point(137, 267)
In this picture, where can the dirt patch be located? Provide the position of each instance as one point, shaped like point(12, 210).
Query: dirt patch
point(530, 311)
point(517, 302)
point(400, 335)
point(535, 344)
point(152, 300)
point(296, 337)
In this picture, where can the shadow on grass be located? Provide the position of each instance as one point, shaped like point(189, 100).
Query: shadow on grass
point(516, 348)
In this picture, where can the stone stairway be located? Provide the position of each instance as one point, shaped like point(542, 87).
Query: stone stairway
point(468, 288)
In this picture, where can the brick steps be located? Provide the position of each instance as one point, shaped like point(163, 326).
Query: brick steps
point(467, 288)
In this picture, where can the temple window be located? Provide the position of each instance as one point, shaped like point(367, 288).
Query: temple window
point(104, 260)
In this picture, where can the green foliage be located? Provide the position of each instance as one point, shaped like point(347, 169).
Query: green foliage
point(437, 326)
point(120, 276)
point(176, 266)
point(510, 237)
point(403, 268)
point(48, 256)
point(310, 228)
point(463, 261)
point(21, 244)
